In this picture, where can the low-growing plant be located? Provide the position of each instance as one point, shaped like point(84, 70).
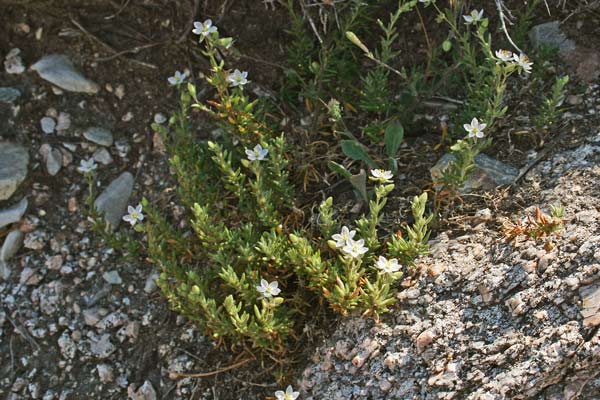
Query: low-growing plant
point(538, 226)
point(486, 75)
point(549, 109)
point(248, 269)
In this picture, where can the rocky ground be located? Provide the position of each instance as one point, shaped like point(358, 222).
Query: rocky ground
point(481, 318)
point(487, 318)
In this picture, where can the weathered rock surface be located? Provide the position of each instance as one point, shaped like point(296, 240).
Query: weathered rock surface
point(59, 70)
point(488, 175)
point(114, 199)
point(487, 319)
point(13, 168)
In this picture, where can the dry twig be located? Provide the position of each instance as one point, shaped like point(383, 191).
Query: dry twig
point(109, 48)
point(503, 18)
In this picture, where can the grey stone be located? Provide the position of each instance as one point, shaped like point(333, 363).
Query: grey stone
point(150, 285)
point(105, 373)
point(67, 346)
point(13, 213)
point(112, 277)
point(488, 174)
point(13, 168)
point(99, 135)
point(102, 348)
point(12, 244)
point(549, 34)
point(13, 64)
point(59, 70)
point(9, 94)
point(91, 316)
point(54, 161)
point(63, 121)
point(102, 156)
point(48, 124)
point(35, 240)
point(144, 392)
point(113, 201)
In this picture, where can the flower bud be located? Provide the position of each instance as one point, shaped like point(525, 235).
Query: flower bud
point(354, 39)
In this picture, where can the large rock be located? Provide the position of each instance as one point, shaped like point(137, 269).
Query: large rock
point(13, 214)
point(549, 34)
point(484, 318)
point(113, 201)
point(13, 168)
point(488, 175)
point(585, 61)
point(59, 70)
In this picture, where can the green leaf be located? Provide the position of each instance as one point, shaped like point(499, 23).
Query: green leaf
point(339, 169)
point(394, 133)
point(356, 151)
point(192, 89)
point(393, 165)
point(447, 46)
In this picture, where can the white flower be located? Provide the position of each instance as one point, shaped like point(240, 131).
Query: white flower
point(257, 154)
point(474, 17)
point(504, 55)
point(268, 289)
point(204, 28)
point(523, 61)
point(382, 175)
point(475, 128)
point(238, 78)
point(177, 79)
point(87, 166)
point(341, 239)
point(355, 248)
point(288, 395)
point(134, 215)
point(388, 266)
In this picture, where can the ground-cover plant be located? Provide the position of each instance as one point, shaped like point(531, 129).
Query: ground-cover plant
point(483, 76)
point(549, 109)
point(486, 73)
point(248, 267)
point(536, 227)
point(356, 117)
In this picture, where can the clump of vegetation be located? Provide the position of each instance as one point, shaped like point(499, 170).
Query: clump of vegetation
point(538, 226)
point(249, 270)
point(250, 264)
point(550, 110)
